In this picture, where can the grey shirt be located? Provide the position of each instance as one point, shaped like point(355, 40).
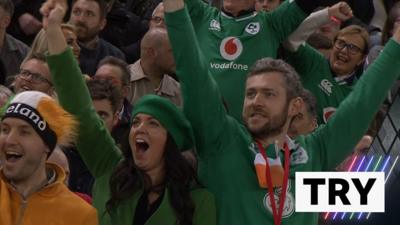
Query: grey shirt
point(141, 85)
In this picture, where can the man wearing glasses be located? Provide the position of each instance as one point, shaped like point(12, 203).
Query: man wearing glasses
point(333, 79)
point(34, 74)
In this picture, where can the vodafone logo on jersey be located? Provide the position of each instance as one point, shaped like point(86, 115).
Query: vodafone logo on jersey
point(231, 48)
point(328, 111)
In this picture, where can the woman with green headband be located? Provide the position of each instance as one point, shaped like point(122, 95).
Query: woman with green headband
point(150, 183)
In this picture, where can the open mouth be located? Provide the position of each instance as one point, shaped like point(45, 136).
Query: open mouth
point(13, 156)
point(341, 60)
point(141, 145)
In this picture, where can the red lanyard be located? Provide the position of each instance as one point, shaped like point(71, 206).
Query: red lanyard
point(277, 215)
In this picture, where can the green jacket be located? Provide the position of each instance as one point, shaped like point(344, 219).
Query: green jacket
point(226, 149)
point(101, 155)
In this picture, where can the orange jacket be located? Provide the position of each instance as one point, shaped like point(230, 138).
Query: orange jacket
point(54, 204)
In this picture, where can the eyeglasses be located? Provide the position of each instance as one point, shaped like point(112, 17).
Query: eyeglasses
point(34, 77)
point(353, 49)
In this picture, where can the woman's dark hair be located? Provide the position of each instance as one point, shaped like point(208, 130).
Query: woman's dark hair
point(180, 178)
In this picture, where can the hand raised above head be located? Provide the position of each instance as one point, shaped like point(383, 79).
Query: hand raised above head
point(341, 11)
point(53, 12)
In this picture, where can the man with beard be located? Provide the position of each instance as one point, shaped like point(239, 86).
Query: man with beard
point(89, 17)
point(116, 71)
point(251, 169)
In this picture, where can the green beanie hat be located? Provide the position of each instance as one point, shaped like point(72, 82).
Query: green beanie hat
point(169, 116)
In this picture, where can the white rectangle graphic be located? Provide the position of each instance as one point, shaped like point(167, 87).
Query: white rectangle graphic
point(340, 192)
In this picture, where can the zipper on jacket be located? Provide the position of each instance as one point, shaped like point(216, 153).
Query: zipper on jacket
point(21, 211)
point(24, 200)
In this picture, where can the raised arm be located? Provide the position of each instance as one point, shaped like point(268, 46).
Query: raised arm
point(202, 100)
point(336, 13)
point(305, 59)
point(95, 144)
point(290, 14)
point(351, 120)
point(306, 28)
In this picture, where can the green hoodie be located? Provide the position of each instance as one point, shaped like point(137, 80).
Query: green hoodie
point(226, 149)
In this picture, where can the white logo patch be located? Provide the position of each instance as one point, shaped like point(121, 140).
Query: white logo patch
point(231, 48)
point(253, 28)
point(299, 156)
point(288, 207)
point(326, 86)
point(214, 25)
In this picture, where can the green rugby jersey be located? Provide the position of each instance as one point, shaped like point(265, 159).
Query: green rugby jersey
point(317, 77)
point(232, 45)
point(226, 149)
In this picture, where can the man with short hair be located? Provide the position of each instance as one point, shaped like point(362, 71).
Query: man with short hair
point(12, 51)
point(106, 100)
point(34, 74)
point(89, 17)
point(151, 74)
point(234, 158)
point(116, 70)
point(31, 190)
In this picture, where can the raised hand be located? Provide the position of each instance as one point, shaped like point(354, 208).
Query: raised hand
point(53, 12)
point(341, 11)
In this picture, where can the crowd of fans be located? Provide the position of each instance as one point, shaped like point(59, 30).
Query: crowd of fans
point(184, 111)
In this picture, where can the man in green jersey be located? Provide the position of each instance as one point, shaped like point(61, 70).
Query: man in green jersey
point(231, 154)
point(233, 38)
